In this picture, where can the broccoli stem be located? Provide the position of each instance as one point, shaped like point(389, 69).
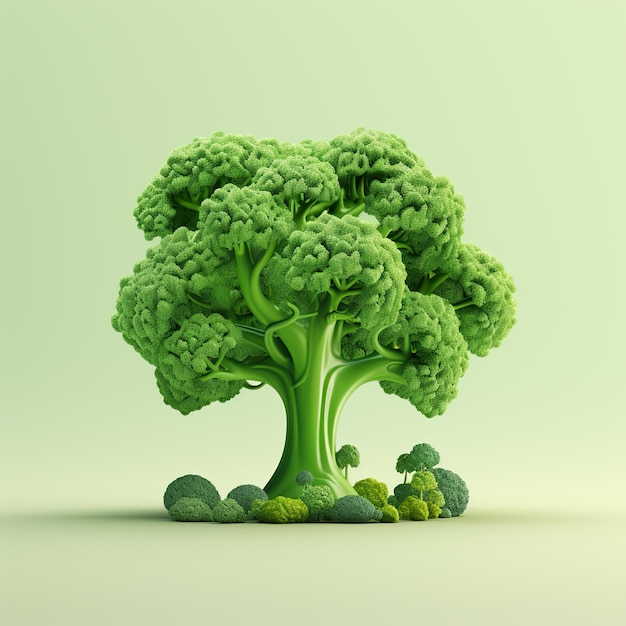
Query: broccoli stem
point(429, 283)
point(313, 406)
point(463, 304)
point(310, 439)
point(249, 274)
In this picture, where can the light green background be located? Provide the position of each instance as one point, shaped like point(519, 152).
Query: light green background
point(520, 104)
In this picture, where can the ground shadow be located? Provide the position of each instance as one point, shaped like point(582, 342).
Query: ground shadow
point(121, 515)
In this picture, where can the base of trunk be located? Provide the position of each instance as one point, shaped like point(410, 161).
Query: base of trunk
point(283, 482)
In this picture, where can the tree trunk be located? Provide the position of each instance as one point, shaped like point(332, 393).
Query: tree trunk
point(310, 441)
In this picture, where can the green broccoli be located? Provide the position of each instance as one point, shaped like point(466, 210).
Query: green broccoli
point(375, 491)
point(424, 456)
point(255, 508)
point(312, 268)
point(245, 495)
point(413, 509)
point(228, 511)
point(282, 510)
point(454, 491)
point(390, 514)
point(423, 487)
point(435, 501)
point(355, 510)
point(191, 486)
point(191, 510)
point(405, 465)
point(319, 500)
point(422, 482)
point(393, 500)
point(347, 456)
point(304, 478)
point(403, 491)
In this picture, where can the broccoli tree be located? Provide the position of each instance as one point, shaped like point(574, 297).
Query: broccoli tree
point(312, 268)
point(347, 456)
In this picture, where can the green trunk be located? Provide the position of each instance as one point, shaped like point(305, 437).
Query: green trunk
point(310, 445)
point(312, 416)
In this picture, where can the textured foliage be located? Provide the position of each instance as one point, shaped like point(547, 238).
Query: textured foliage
point(454, 490)
point(191, 486)
point(413, 509)
point(229, 511)
point(319, 500)
point(281, 510)
point(372, 489)
point(191, 510)
point(245, 495)
point(355, 510)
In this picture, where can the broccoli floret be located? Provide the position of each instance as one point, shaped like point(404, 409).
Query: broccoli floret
point(237, 219)
point(481, 292)
point(423, 481)
point(312, 268)
point(423, 215)
point(403, 491)
point(347, 456)
point(390, 514)
point(405, 464)
point(435, 501)
point(424, 456)
point(345, 261)
point(393, 500)
point(423, 487)
point(192, 173)
point(375, 491)
point(413, 509)
point(228, 511)
point(427, 330)
point(191, 510)
point(355, 510)
point(362, 157)
point(319, 500)
point(191, 486)
point(245, 495)
point(304, 478)
point(281, 510)
point(454, 490)
point(255, 508)
point(305, 186)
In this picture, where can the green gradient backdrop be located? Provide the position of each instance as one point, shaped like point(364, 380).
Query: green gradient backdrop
point(520, 104)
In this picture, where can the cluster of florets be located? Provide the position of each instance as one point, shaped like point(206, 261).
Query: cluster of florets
point(431, 492)
point(356, 229)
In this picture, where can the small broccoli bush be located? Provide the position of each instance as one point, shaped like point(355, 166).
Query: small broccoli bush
point(431, 493)
point(444, 492)
point(454, 490)
point(304, 478)
point(229, 511)
point(319, 500)
point(355, 510)
point(255, 509)
point(282, 510)
point(191, 486)
point(191, 510)
point(413, 509)
point(245, 495)
point(375, 491)
point(390, 514)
